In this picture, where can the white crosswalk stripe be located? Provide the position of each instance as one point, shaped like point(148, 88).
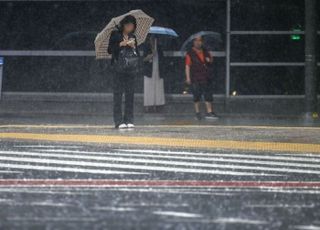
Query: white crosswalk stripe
point(143, 162)
point(122, 166)
point(62, 169)
point(221, 158)
point(285, 157)
point(192, 164)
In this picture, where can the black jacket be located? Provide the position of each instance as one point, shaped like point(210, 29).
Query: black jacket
point(114, 44)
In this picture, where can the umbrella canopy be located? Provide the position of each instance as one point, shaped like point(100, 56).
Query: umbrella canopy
point(163, 31)
point(144, 23)
point(210, 40)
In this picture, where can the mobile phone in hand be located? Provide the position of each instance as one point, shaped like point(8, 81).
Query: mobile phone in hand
point(131, 41)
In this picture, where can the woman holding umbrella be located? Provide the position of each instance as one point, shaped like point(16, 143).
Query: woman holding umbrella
point(153, 78)
point(154, 96)
point(197, 71)
point(198, 74)
point(123, 81)
point(120, 39)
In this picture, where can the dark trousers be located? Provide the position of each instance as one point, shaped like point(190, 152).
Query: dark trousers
point(202, 89)
point(123, 84)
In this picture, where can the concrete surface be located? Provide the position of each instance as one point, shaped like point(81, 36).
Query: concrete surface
point(26, 103)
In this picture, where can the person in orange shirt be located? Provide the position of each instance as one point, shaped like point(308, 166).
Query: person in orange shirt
point(198, 76)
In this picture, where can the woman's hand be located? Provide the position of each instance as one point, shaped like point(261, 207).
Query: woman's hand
point(209, 59)
point(126, 42)
point(131, 43)
point(123, 43)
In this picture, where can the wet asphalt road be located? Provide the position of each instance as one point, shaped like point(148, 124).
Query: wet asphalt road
point(72, 185)
point(182, 206)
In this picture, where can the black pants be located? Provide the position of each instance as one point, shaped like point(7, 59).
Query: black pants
point(123, 84)
point(200, 90)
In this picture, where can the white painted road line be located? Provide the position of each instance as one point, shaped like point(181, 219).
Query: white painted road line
point(128, 166)
point(172, 191)
point(64, 169)
point(280, 206)
point(229, 220)
point(221, 157)
point(230, 155)
point(178, 214)
point(114, 209)
point(49, 146)
point(174, 163)
point(48, 203)
point(48, 219)
point(51, 191)
point(9, 172)
point(307, 227)
point(181, 157)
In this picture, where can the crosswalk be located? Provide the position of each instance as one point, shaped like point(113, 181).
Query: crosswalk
point(159, 163)
point(212, 187)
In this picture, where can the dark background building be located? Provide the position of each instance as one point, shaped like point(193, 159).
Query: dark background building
point(73, 25)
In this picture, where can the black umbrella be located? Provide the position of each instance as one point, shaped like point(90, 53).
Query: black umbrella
point(211, 40)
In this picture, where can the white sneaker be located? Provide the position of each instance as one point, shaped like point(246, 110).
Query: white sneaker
point(130, 126)
point(123, 126)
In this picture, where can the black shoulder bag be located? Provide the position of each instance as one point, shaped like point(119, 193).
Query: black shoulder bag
point(128, 61)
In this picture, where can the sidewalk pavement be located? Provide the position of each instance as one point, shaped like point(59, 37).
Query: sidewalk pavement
point(100, 104)
point(282, 135)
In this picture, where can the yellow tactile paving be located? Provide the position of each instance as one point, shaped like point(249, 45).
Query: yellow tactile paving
point(168, 142)
point(66, 126)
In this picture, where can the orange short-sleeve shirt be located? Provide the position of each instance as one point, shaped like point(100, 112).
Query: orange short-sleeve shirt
point(200, 55)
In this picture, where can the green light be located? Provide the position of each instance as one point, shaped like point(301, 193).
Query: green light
point(295, 37)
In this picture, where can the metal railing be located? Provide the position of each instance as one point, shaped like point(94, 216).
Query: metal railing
point(84, 53)
point(230, 32)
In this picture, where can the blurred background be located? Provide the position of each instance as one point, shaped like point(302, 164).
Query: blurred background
point(262, 62)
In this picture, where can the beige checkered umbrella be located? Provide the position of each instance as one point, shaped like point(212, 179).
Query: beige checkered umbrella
point(144, 23)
